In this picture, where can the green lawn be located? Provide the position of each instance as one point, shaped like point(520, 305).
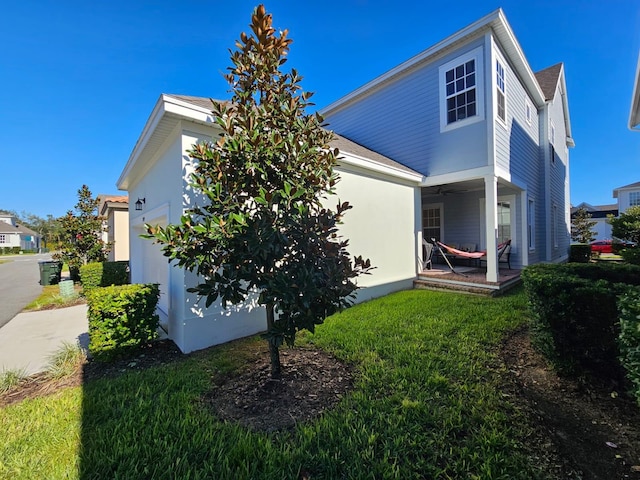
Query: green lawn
point(427, 404)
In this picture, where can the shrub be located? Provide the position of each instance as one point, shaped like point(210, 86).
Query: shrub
point(574, 320)
point(631, 255)
point(121, 317)
point(104, 274)
point(629, 339)
point(91, 275)
point(580, 252)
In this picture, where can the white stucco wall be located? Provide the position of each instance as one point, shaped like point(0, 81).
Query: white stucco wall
point(382, 226)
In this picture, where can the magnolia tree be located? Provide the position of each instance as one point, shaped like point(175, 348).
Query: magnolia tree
point(263, 228)
point(81, 233)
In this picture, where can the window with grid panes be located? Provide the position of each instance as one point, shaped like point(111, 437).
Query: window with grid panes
point(460, 85)
point(431, 224)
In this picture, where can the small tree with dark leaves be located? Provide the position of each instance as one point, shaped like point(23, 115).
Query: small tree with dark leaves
point(582, 226)
point(81, 233)
point(263, 225)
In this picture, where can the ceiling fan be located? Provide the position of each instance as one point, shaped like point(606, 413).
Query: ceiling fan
point(443, 190)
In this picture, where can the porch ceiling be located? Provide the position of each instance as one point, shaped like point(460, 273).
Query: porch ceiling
point(457, 188)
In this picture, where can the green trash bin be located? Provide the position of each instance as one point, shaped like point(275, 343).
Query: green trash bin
point(50, 272)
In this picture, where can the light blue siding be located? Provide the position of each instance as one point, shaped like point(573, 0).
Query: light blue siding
point(401, 120)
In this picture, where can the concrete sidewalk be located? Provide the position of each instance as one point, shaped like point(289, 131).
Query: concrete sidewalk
point(30, 338)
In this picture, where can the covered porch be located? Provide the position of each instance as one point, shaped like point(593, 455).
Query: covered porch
point(467, 279)
point(476, 215)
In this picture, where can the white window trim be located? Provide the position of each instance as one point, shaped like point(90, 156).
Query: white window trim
point(503, 122)
point(483, 222)
point(554, 225)
point(434, 206)
point(531, 223)
point(3, 238)
point(528, 108)
point(475, 54)
point(634, 192)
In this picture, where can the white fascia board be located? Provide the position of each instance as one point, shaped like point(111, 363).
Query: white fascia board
point(565, 105)
point(514, 52)
point(147, 131)
point(634, 115)
point(495, 20)
point(459, 176)
point(415, 60)
point(166, 105)
point(367, 164)
point(188, 111)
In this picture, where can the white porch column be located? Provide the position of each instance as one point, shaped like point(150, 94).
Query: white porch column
point(491, 216)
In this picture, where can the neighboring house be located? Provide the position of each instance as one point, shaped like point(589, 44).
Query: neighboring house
point(14, 235)
point(628, 196)
point(115, 210)
point(462, 143)
point(599, 214)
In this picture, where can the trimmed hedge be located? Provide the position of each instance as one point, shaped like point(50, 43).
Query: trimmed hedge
point(121, 317)
point(575, 314)
point(104, 274)
point(630, 338)
point(580, 252)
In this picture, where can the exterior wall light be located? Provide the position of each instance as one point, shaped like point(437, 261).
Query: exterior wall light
point(139, 203)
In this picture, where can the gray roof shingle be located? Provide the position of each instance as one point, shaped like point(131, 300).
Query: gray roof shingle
point(548, 80)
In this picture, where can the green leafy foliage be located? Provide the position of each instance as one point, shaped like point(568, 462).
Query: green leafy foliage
point(627, 225)
point(630, 338)
point(81, 233)
point(121, 317)
point(263, 224)
point(575, 314)
point(582, 226)
point(103, 274)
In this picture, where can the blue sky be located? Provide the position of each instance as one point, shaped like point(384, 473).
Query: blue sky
point(79, 79)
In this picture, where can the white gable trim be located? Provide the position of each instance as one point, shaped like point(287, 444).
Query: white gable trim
point(495, 20)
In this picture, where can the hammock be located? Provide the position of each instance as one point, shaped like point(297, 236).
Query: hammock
point(462, 253)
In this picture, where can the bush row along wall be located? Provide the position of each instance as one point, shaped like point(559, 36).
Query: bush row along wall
point(104, 274)
point(575, 314)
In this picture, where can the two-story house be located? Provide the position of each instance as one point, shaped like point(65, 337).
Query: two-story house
point(489, 136)
point(463, 143)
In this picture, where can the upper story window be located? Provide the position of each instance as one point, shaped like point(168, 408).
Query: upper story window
point(461, 95)
point(634, 199)
point(3, 238)
point(501, 103)
point(527, 111)
point(461, 91)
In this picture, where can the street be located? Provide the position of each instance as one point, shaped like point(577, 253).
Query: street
point(19, 283)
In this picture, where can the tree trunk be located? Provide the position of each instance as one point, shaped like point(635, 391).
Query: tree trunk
point(274, 352)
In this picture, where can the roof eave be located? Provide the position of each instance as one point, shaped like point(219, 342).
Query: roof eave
point(634, 116)
point(495, 20)
point(164, 107)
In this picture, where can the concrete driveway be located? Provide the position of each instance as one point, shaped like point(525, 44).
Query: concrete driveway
point(19, 283)
point(27, 340)
point(30, 338)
